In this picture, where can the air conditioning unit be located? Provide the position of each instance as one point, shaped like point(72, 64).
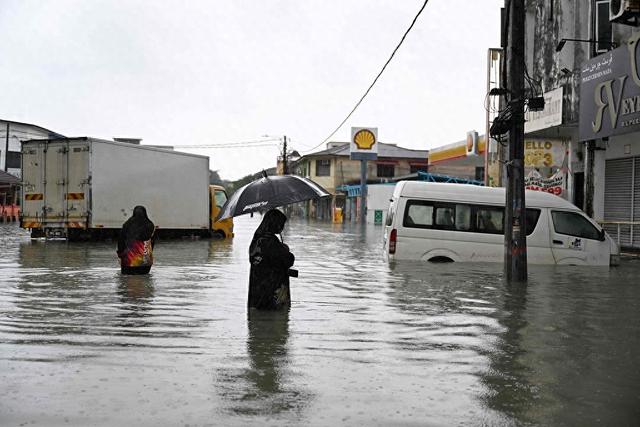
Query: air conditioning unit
point(624, 11)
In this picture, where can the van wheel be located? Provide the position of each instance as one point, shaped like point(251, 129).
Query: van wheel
point(440, 259)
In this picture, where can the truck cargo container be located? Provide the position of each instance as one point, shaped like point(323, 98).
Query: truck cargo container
point(86, 188)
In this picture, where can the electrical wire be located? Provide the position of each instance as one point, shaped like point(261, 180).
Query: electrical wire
point(376, 79)
point(213, 146)
point(233, 144)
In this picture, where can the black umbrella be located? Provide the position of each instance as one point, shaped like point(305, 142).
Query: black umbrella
point(270, 192)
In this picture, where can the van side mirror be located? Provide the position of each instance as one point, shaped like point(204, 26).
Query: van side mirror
point(601, 235)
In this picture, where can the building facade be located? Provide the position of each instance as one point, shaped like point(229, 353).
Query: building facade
point(582, 57)
point(11, 136)
point(333, 169)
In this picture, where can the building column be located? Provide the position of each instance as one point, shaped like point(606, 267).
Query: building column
point(595, 179)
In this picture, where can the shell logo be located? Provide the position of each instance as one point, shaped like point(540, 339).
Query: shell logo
point(364, 139)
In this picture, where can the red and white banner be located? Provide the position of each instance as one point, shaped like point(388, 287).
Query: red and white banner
point(554, 184)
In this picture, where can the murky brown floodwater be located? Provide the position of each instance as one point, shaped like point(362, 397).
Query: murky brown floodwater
point(363, 344)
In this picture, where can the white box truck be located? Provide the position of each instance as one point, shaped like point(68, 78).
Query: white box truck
point(86, 188)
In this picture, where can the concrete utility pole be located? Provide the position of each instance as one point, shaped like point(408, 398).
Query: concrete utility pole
point(363, 191)
point(285, 168)
point(515, 226)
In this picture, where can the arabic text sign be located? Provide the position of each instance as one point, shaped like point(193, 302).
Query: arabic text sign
point(610, 93)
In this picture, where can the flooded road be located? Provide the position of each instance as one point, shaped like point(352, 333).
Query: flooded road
point(364, 343)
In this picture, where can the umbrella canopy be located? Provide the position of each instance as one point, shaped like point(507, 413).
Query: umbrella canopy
point(270, 192)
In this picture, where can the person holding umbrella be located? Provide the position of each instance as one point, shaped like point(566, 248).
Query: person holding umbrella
point(270, 265)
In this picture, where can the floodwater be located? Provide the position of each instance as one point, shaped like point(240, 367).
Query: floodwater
point(364, 343)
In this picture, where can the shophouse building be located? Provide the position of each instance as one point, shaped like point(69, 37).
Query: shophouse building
point(582, 56)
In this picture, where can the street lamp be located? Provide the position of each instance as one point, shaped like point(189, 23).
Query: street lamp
point(562, 42)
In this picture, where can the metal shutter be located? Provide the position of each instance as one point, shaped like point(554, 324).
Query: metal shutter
point(618, 198)
point(636, 202)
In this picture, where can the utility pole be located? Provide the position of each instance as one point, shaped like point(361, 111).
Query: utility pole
point(515, 226)
point(363, 191)
point(285, 168)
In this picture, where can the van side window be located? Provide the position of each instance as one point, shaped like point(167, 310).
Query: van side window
point(418, 214)
point(463, 217)
point(532, 220)
point(445, 216)
point(490, 219)
point(574, 224)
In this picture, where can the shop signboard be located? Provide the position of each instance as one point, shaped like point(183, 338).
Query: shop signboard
point(610, 93)
point(543, 153)
point(364, 143)
point(550, 116)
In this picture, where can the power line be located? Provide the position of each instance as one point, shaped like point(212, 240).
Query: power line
point(195, 147)
point(377, 77)
point(253, 143)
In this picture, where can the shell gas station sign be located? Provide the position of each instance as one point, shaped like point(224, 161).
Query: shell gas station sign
point(364, 143)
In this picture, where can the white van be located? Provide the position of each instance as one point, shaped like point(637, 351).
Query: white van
point(459, 222)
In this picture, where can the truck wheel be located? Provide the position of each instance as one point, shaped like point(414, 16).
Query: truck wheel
point(37, 233)
point(218, 234)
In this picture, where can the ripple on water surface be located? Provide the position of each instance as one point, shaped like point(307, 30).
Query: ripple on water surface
point(364, 342)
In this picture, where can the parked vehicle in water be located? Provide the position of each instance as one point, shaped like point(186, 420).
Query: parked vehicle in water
point(85, 188)
point(459, 222)
point(222, 228)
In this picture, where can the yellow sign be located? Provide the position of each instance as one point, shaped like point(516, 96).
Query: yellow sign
point(364, 139)
point(540, 153)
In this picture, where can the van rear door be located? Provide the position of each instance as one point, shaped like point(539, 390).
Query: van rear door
point(576, 240)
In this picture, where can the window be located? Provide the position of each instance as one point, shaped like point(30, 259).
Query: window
point(602, 27)
point(323, 167)
point(386, 171)
point(532, 220)
point(479, 173)
point(574, 224)
point(445, 216)
point(461, 217)
point(13, 159)
point(418, 214)
point(490, 219)
point(221, 198)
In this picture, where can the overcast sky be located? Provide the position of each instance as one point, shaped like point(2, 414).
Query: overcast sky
point(211, 72)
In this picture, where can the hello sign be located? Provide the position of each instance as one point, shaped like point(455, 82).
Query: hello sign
point(610, 93)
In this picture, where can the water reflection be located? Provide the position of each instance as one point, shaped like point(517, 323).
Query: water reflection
point(136, 293)
point(269, 387)
point(507, 379)
point(267, 350)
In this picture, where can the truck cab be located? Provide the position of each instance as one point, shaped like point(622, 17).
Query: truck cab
point(217, 198)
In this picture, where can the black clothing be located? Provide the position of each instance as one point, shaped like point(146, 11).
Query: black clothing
point(270, 261)
point(135, 243)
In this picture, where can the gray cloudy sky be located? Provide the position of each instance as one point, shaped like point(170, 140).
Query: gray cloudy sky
point(211, 72)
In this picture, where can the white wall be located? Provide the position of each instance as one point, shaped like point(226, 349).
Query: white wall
point(378, 196)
